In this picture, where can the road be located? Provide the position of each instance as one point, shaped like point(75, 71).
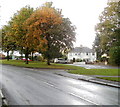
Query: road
point(25, 86)
point(90, 66)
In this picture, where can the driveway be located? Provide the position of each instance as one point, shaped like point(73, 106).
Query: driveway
point(24, 86)
point(90, 66)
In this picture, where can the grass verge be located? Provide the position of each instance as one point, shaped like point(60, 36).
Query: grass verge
point(72, 69)
point(36, 64)
point(106, 72)
point(110, 78)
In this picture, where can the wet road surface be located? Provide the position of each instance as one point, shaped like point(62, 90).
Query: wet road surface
point(24, 86)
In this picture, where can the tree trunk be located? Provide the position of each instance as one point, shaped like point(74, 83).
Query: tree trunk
point(21, 52)
point(26, 56)
point(7, 55)
point(48, 51)
point(48, 61)
point(32, 56)
point(21, 55)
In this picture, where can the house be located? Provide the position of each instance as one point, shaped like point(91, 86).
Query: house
point(2, 56)
point(82, 53)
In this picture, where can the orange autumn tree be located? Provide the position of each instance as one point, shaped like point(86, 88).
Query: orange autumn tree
point(39, 26)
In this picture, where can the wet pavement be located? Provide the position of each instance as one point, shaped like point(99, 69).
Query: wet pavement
point(91, 78)
point(0, 100)
point(0, 87)
point(25, 86)
point(91, 66)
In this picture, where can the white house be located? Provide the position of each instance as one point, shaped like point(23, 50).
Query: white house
point(82, 53)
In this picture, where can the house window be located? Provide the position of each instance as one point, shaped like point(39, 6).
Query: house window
point(79, 54)
point(86, 53)
point(93, 54)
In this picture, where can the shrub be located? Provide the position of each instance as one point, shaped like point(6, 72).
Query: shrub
point(39, 58)
point(78, 60)
point(73, 59)
point(114, 56)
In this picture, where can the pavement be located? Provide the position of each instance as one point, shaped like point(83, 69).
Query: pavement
point(92, 79)
point(0, 89)
point(93, 66)
point(0, 101)
point(3, 100)
point(74, 76)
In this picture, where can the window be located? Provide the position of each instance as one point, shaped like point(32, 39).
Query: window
point(75, 53)
point(78, 53)
point(93, 54)
point(86, 53)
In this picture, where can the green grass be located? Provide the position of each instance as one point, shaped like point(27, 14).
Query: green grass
point(107, 72)
point(72, 69)
point(110, 78)
point(37, 64)
point(32, 64)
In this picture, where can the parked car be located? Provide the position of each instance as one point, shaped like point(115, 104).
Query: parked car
point(60, 60)
point(24, 59)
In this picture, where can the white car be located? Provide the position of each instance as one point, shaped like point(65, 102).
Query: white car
point(60, 60)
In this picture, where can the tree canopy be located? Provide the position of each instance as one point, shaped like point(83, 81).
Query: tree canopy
point(43, 30)
point(7, 41)
point(19, 31)
point(50, 31)
point(108, 29)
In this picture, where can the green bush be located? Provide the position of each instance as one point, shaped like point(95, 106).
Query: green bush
point(73, 59)
point(78, 60)
point(39, 58)
point(114, 56)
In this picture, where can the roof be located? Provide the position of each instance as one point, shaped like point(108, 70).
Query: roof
point(82, 49)
point(2, 55)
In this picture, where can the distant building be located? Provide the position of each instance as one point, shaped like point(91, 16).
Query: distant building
point(113, 0)
point(2, 56)
point(82, 53)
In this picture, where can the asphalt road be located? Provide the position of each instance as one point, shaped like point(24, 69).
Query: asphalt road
point(24, 86)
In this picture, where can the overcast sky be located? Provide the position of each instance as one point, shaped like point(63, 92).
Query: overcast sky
point(82, 13)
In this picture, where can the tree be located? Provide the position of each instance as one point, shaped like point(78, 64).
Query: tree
point(109, 22)
point(115, 55)
point(19, 30)
point(0, 38)
point(61, 39)
point(50, 31)
point(108, 28)
point(7, 41)
point(97, 47)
